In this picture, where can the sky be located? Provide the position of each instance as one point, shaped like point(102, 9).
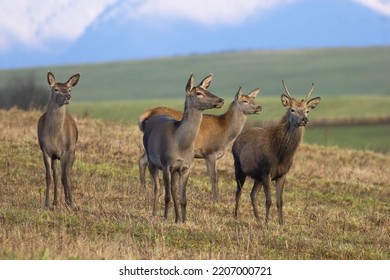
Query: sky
point(55, 32)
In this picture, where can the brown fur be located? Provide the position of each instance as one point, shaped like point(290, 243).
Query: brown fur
point(267, 154)
point(57, 136)
point(215, 132)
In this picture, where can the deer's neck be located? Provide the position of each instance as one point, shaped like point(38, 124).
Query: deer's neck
point(233, 120)
point(288, 139)
point(55, 118)
point(189, 126)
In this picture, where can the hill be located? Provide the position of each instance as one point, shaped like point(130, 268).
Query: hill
point(128, 29)
point(354, 72)
point(336, 204)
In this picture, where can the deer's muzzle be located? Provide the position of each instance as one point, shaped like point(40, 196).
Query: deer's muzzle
point(219, 104)
point(67, 98)
point(304, 121)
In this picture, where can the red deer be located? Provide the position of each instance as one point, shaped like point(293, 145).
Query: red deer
point(215, 133)
point(266, 154)
point(57, 136)
point(169, 144)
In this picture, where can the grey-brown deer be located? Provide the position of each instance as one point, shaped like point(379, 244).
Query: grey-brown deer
point(57, 136)
point(215, 134)
point(266, 154)
point(169, 144)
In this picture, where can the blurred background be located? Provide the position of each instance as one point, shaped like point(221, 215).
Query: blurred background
point(133, 55)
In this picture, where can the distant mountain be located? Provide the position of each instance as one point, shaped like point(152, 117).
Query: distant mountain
point(302, 24)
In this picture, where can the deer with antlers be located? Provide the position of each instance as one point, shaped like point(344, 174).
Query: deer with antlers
point(267, 154)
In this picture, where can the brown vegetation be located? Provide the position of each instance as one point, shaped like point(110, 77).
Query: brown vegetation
point(340, 211)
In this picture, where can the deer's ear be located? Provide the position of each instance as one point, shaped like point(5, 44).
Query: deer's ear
point(254, 93)
point(51, 80)
point(73, 80)
point(238, 94)
point(205, 83)
point(312, 103)
point(190, 84)
point(286, 101)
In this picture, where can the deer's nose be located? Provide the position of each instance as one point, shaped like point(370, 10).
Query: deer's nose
point(304, 121)
point(220, 103)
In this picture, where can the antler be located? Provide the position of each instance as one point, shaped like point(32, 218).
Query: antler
point(310, 91)
point(286, 90)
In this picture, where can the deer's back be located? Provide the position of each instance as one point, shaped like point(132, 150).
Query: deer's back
point(212, 135)
point(145, 116)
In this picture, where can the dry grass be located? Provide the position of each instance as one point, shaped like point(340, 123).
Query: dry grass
point(336, 204)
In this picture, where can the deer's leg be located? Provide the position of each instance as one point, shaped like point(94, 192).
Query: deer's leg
point(71, 159)
point(254, 193)
point(66, 166)
point(153, 170)
point(211, 164)
point(55, 179)
point(167, 190)
point(47, 160)
point(183, 192)
point(268, 200)
point(240, 179)
point(279, 197)
point(142, 164)
point(174, 176)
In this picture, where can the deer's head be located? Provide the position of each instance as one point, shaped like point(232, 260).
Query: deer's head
point(297, 111)
point(60, 92)
point(246, 103)
point(199, 97)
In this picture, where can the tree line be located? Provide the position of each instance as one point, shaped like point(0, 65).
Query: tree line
point(23, 92)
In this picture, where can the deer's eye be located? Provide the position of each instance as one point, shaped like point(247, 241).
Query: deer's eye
point(292, 110)
point(245, 101)
point(199, 94)
point(57, 90)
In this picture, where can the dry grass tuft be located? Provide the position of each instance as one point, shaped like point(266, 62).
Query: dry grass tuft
point(336, 204)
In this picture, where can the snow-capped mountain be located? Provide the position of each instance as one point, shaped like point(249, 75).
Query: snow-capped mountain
point(94, 31)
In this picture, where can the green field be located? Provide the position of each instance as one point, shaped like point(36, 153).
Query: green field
point(336, 72)
point(330, 108)
point(338, 109)
point(363, 137)
point(353, 84)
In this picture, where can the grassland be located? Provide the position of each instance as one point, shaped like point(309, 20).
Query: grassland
point(374, 137)
point(336, 204)
point(352, 72)
point(341, 110)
